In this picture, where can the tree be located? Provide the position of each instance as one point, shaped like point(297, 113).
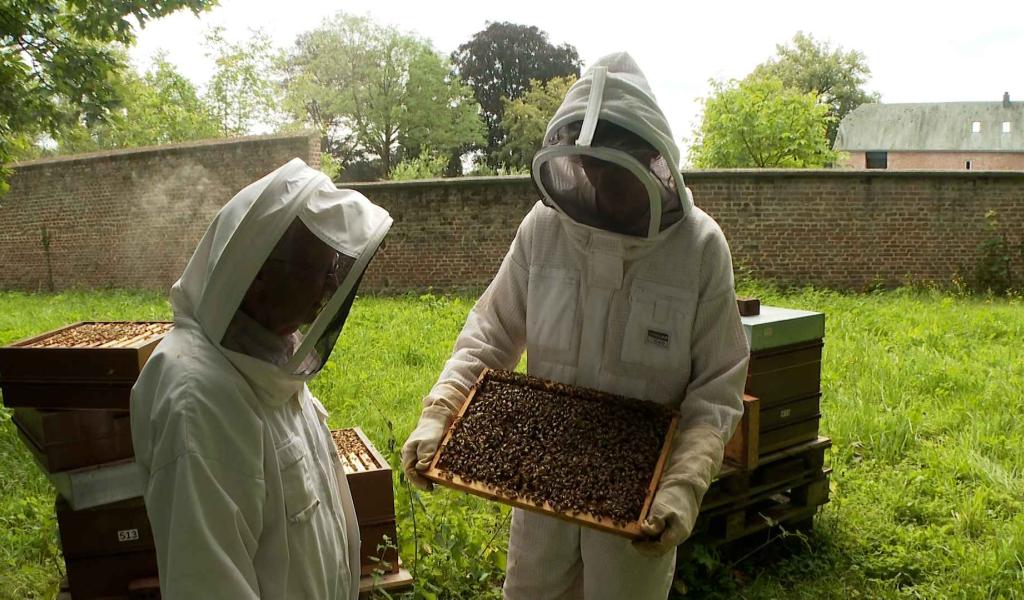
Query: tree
point(836, 77)
point(761, 123)
point(374, 91)
point(424, 166)
point(160, 106)
point(500, 62)
point(241, 93)
point(441, 117)
point(526, 119)
point(57, 61)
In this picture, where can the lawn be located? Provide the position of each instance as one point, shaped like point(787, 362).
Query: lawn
point(921, 396)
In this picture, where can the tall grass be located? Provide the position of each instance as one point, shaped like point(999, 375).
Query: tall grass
point(921, 396)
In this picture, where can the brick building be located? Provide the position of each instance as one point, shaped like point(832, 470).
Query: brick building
point(952, 136)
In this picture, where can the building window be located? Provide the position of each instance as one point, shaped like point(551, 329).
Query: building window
point(876, 160)
point(968, 165)
point(976, 127)
point(1006, 127)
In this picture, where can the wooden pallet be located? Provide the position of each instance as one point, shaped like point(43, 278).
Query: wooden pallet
point(735, 486)
point(790, 502)
point(630, 530)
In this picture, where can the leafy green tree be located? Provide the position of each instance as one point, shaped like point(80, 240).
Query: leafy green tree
point(160, 106)
point(526, 119)
point(424, 166)
point(241, 93)
point(57, 62)
point(836, 76)
point(374, 91)
point(760, 123)
point(499, 63)
point(441, 116)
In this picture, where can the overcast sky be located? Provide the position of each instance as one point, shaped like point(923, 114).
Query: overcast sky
point(918, 51)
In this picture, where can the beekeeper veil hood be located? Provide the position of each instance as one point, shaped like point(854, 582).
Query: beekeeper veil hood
point(608, 159)
point(273, 278)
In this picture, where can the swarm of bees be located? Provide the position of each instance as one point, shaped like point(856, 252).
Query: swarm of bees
point(578, 451)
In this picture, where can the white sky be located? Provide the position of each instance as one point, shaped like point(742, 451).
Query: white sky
point(918, 51)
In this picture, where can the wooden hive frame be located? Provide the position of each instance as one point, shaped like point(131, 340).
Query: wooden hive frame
point(630, 530)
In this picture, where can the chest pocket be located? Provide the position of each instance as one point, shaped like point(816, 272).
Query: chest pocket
point(658, 329)
point(551, 305)
point(300, 501)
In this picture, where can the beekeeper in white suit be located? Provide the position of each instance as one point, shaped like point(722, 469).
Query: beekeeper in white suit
point(245, 491)
point(614, 281)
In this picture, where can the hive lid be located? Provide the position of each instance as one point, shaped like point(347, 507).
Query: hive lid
point(776, 327)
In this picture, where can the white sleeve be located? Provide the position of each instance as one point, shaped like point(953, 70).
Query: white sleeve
point(206, 519)
point(718, 347)
point(494, 335)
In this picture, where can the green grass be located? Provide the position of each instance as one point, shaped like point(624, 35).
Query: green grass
point(921, 395)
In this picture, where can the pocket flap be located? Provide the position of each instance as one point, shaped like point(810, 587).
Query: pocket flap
point(290, 453)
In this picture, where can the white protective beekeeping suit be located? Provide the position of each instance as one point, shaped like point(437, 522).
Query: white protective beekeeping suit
point(244, 491)
point(629, 291)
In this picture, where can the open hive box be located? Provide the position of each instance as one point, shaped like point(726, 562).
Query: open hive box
point(373, 497)
point(580, 455)
point(87, 365)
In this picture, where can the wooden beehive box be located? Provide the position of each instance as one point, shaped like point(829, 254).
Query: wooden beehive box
point(368, 475)
point(71, 439)
point(86, 365)
point(599, 403)
point(370, 483)
point(108, 550)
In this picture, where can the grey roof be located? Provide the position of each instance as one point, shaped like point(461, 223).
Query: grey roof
point(933, 126)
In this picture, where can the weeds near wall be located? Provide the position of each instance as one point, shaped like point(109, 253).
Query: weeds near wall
point(994, 270)
point(49, 261)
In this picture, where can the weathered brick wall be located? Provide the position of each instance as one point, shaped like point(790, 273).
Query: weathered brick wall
point(847, 229)
point(128, 219)
point(133, 219)
point(448, 234)
point(854, 229)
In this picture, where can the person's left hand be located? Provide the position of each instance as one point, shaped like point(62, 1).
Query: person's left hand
point(670, 522)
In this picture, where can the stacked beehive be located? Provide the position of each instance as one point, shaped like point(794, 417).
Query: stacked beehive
point(773, 473)
point(369, 479)
point(69, 390)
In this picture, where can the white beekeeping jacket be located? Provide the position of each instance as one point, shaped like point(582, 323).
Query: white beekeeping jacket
point(245, 492)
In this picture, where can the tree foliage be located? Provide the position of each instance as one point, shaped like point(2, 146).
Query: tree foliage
point(423, 166)
point(375, 91)
point(526, 119)
point(241, 93)
point(836, 76)
point(160, 106)
point(759, 123)
point(500, 62)
point(58, 62)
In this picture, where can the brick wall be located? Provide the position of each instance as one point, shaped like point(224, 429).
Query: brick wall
point(847, 229)
point(945, 161)
point(133, 219)
point(128, 219)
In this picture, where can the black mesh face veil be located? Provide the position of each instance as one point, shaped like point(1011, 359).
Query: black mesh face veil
point(296, 285)
point(613, 184)
point(325, 343)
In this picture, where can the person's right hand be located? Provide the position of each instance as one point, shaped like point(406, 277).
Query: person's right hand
point(419, 449)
